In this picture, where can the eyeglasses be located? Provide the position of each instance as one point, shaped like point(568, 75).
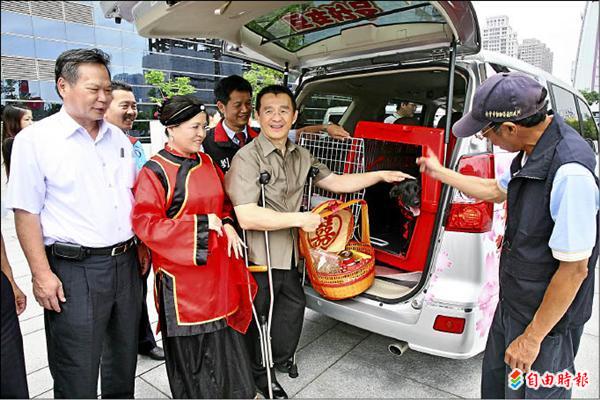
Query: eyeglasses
point(486, 129)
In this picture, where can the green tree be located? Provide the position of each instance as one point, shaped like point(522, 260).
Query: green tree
point(178, 86)
point(591, 97)
point(260, 76)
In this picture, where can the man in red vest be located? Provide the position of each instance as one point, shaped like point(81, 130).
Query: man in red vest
point(234, 99)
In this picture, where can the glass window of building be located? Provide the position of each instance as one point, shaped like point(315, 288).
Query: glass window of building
point(134, 41)
point(71, 46)
point(49, 49)
point(44, 39)
point(131, 75)
point(16, 23)
point(31, 89)
point(48, 92)
point(146, 111)
point(205, 96)
point(108, 37)
point(80, 33)
point(116, 55)
point(133, 58)
point(116, 70)
point(48, 28)
point(20, 89)
point(142, 93)
point(17, 46)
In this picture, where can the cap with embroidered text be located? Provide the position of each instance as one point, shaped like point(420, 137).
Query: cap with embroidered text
point(504, 97)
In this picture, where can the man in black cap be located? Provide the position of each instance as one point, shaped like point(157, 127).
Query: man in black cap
point(550, 245)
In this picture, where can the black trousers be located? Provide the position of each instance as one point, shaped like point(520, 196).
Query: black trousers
point(211, 365)
point(146, 341)
point(13, 379)
point(557, 353)
point(97, 328)
point(288, 316)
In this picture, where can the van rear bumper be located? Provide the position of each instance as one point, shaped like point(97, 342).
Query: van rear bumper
point(403, 322)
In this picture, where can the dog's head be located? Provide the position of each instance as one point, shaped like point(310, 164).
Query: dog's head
point(408, 195)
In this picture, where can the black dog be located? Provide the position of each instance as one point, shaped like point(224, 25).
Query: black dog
point(408, 197)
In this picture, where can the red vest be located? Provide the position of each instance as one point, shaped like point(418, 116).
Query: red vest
point(222, 149)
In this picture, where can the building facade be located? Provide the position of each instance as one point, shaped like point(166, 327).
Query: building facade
point(34, 33)
point(587, 64)
point(536, 53)
point(499, 36)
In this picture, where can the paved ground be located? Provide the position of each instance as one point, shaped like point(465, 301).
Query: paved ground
point(335, 360)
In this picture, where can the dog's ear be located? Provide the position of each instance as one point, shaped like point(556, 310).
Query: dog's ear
point(396, 191)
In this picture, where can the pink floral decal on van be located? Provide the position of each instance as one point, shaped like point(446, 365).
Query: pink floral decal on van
point(442, 263)
point(492, 244)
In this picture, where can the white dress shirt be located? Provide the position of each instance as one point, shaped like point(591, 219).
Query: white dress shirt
point(80, 187)
point(390, 119)
point(231, 133)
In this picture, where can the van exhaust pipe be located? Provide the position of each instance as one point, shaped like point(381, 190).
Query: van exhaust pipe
point(398, 349)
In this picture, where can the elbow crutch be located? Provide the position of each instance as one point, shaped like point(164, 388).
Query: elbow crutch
point(264, 179)
point(254, 313)
point(263, 324)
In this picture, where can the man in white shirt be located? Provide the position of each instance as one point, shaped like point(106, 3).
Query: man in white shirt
point(70, 189)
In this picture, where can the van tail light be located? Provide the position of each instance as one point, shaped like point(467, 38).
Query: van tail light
point(466, 213)
point(449, 324)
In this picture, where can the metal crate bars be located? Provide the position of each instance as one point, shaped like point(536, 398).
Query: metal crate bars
point(341, 157)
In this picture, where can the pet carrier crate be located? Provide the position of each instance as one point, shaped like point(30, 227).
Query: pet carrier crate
point(396, 147)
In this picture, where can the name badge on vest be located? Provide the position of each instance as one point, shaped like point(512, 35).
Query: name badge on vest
point(224, 163)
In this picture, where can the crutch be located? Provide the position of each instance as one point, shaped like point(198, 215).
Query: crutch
point(254, 313)
point(264, 179)
point(264, 326)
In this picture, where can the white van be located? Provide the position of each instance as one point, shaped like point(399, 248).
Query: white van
point(439, 292)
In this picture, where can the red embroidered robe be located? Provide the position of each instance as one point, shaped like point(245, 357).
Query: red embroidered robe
point(203, 288)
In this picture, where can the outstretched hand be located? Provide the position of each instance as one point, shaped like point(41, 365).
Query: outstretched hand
point(430, 164)
point(394, 176)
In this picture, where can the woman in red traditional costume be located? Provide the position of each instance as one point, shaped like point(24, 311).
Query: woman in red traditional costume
point(202, 288)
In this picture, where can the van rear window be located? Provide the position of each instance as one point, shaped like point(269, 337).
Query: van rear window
point(297, 26)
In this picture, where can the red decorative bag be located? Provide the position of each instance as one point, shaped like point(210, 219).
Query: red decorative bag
point(338, 267)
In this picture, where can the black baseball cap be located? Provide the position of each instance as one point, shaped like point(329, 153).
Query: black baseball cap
point(507, 96)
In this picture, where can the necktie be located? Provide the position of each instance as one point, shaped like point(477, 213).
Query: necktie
point(241, 138)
